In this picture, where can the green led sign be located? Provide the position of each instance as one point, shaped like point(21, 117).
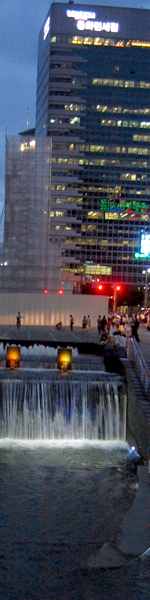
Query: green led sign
point(135, 206)
point(141, 255)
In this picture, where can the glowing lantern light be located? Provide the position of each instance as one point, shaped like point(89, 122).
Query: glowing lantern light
point(13, 357)
point(64, 359)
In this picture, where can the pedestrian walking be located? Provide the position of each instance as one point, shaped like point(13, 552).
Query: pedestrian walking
point(88, 325)
point(71, 322)
point(108, 326)
point(103, 323)
point(84, 322)
point(134, 329)
point(99, 324)
point(18, 319)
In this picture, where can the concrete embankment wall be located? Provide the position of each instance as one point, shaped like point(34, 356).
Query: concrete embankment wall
point(41, 309)
point(137, 425)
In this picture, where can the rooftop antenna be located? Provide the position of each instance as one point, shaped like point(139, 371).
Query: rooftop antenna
point(27, 118)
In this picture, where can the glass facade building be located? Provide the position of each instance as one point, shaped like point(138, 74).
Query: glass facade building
point(27, 264)
point(93, 89)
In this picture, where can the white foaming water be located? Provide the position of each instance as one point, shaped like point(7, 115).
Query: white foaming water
point(41, 350)
point(62, 409)
point(34, 444)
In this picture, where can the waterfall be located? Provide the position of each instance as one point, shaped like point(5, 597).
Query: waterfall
point(76, 406)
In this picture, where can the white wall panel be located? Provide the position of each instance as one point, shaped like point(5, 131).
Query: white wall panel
point(40, 309)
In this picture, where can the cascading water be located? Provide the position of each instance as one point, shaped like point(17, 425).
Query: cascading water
point(51, 405)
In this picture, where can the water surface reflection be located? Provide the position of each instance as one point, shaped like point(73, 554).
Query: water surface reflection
point(58, 503)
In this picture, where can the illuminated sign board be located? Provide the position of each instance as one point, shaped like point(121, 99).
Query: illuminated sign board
point(145, 246)
point(46, 28)
point(84, 15)
point(145, 243)
point(86, 21)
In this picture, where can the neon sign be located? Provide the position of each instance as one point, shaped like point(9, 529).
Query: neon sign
point(84, 15)
point(86, 20)
point(97, 26)
point(145, 246)
point(46, 28)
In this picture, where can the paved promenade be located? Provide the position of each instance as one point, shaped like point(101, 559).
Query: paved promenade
point(134, 537)
point(49, 334)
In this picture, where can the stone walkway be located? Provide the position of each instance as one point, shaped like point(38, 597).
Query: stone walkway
point(49, 334)
point(134, 538)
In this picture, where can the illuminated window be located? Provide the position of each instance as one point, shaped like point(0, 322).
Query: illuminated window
point(74, 120)
point(91, 269)
point(27, 145)
point(110, 216)
point(145, 124)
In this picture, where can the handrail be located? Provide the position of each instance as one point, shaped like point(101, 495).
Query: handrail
point(134, 353)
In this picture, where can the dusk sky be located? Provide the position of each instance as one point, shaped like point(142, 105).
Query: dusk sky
point(20, 23)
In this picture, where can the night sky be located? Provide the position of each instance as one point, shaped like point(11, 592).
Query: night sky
point(20, 23)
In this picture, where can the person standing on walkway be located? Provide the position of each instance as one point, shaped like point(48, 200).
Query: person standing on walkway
point(103, 323)
point(71, 322)
point(84, 322)
point(99, 323)
point(18, 319)
point(134, 329)
point(88, 322)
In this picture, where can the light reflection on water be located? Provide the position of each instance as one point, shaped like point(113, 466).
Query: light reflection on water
point(58, 503)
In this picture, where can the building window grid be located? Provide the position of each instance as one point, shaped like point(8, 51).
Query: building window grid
point(99, 194)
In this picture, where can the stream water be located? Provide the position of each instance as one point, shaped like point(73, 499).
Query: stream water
point(59, 502)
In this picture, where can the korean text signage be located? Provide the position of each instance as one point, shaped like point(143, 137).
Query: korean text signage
point(86, 21)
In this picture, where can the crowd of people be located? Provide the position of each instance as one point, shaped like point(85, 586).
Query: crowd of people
point(111, 331)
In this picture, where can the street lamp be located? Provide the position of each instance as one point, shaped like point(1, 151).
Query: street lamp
point(145, 272)
point(116, 288)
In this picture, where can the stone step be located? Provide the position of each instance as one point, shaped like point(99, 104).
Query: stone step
point(139, 391)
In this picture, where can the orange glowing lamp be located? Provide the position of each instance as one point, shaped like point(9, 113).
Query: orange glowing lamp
point(13, 357)
point(64, 359)
point(100, 287)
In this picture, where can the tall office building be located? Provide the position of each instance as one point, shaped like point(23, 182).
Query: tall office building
point(29, 261)
point(93, 88)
